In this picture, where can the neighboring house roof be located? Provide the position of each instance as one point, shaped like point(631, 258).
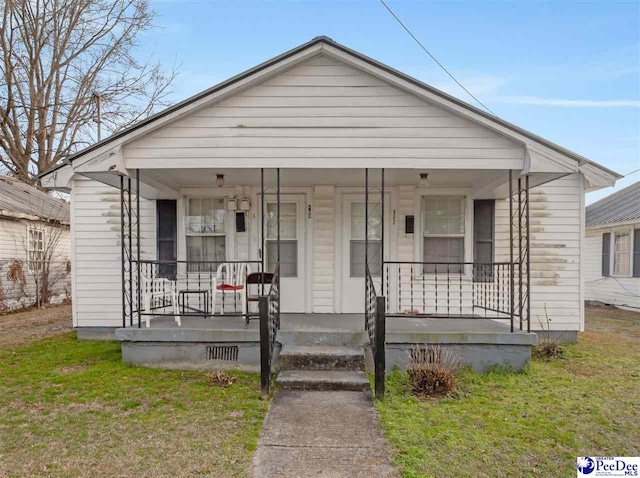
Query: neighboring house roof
point(623, 205)
point(470, 109)
point(20, 200)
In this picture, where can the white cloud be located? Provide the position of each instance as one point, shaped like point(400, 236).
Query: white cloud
point(568, 103)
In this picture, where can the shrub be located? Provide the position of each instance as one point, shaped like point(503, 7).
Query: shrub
point(432, 370)
point(220, 379)
point(547, 348)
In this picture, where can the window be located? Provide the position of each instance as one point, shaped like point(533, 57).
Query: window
point(35, 247)
point(166, 236)
point(483, 238)
point(606, 254)
point(357, 242)
point(205, 228)
point(443, 232)
point(621, 257)
point(288, 238)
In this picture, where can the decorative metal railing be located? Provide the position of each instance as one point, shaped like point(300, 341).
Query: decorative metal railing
point(269, 310)
point(188, 289)
point(375, 326)
point(487, 290)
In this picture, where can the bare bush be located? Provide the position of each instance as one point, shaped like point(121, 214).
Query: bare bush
point(432, 370)
point(220, 379)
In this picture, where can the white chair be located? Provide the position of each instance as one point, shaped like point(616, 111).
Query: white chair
point(231, 278)
point(159, 288)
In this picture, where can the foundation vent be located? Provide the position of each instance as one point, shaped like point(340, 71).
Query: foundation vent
point(228, 353)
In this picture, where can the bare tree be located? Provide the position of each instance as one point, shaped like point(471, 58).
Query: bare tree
point(56, 55)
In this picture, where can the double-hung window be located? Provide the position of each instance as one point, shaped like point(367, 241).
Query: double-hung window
point(35, 247)
point(206, 232)
point(443, 232)
point(621, 253)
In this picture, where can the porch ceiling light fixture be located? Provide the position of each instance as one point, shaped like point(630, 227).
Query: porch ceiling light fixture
point(424, 180)
point(219, 180)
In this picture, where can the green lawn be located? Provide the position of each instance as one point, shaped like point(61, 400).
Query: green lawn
point(71, 408)
point(527, 424)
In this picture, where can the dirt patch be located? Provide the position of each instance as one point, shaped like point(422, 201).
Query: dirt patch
point(22, 328)
point(612, 319)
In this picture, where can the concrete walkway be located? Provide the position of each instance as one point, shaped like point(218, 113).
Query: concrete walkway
point(322, 435)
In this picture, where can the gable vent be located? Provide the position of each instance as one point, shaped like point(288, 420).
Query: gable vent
point(228, 353)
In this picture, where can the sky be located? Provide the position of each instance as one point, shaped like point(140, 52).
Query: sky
point(567, 71)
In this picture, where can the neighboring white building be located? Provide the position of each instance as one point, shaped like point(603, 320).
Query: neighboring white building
point(34, 246)
point(612, 249)
point(322, 113)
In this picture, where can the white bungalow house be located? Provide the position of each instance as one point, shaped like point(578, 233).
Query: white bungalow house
point(363, 158)
point(34, 247)
point(612, 249)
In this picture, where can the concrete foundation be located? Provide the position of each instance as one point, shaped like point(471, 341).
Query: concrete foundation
point(207, 344)
point(107, 334)
point(560, 336)
point(191, 355)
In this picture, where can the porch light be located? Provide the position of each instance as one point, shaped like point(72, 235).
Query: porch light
point(424, 180)
point(219, 180)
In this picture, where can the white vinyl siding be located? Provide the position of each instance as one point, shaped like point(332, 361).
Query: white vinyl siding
point(323, 109)
point(555, 214)
point(324, 249)
point(97, 256)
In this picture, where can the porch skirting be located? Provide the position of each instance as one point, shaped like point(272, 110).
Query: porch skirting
point(213, 345)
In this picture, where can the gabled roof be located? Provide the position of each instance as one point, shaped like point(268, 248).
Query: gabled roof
point(623, 205)
point(19, 200)
point(460, 106)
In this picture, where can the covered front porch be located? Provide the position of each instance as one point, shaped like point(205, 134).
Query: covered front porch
point(437, 243)
point(335, 257)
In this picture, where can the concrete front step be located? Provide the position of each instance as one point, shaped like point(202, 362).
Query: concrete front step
point(320, 357)
point(323, 380)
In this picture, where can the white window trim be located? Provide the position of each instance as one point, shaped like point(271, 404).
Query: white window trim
point(31, 228)
point(612, 248)
point(420, 195)
point(206, 194)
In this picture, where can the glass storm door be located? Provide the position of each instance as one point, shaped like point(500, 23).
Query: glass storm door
point(353, 248)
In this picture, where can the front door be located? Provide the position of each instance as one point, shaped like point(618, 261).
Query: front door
point(292, 248)
point(353, 248)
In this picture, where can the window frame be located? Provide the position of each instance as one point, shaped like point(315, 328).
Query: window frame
point(467, 236)
point(613, 232)
point(188, 233)
point(31, 229)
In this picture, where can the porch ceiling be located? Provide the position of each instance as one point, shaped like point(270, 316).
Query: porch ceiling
point(183, 178)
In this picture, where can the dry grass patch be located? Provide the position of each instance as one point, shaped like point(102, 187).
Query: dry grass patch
point(70, 408)
point(22, 328)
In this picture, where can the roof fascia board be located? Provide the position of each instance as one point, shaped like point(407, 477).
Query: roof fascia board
point(597, 178)
point(58, 179)
point(609, 225)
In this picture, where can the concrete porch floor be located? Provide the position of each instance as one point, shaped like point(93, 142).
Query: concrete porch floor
point(333, 323)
